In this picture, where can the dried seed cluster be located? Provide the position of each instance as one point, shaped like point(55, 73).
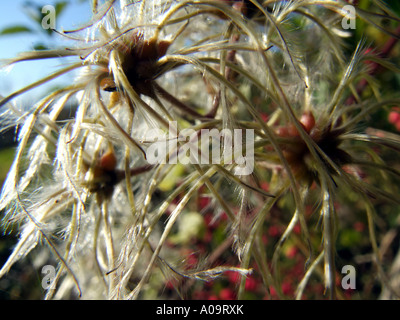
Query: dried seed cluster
point(121, 227)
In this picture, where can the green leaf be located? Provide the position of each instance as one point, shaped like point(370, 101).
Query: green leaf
point(170, 179)
point(60, 6)
point(394, 5)
point(6, 160)
point(349, 238)
point(15, 29)
point(40, 46)
point(33, 11)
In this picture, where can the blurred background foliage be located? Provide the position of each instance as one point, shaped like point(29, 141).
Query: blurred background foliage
point(24, 281)
point(353, 245)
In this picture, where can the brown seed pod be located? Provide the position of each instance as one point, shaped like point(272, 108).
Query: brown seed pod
point(108, 161)
point(245, 7)
point(308, 121)
point(298, 155)
point(139, 62)
point(108, 84)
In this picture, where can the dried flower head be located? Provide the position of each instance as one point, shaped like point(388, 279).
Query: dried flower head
point(168, 73)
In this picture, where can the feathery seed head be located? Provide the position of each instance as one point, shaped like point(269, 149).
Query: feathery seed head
point(152, 71)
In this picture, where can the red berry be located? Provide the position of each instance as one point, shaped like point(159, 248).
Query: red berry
point(264, 117)
point(394, 117)
point(170, 285)
point(272, 292)
point(274, 231)
point(297, 229)
point(233, 277)
point(397, 125)
point(287, 288)
point(308, 121)
point(208, 236)
point(191, 261)
point(366, 52)
point(292, 130)
point(359, 226)
point(223, 216)
point(204, 201)
point(282, 132)
point(227, 294)
point(265, 186)
point(251, 284)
